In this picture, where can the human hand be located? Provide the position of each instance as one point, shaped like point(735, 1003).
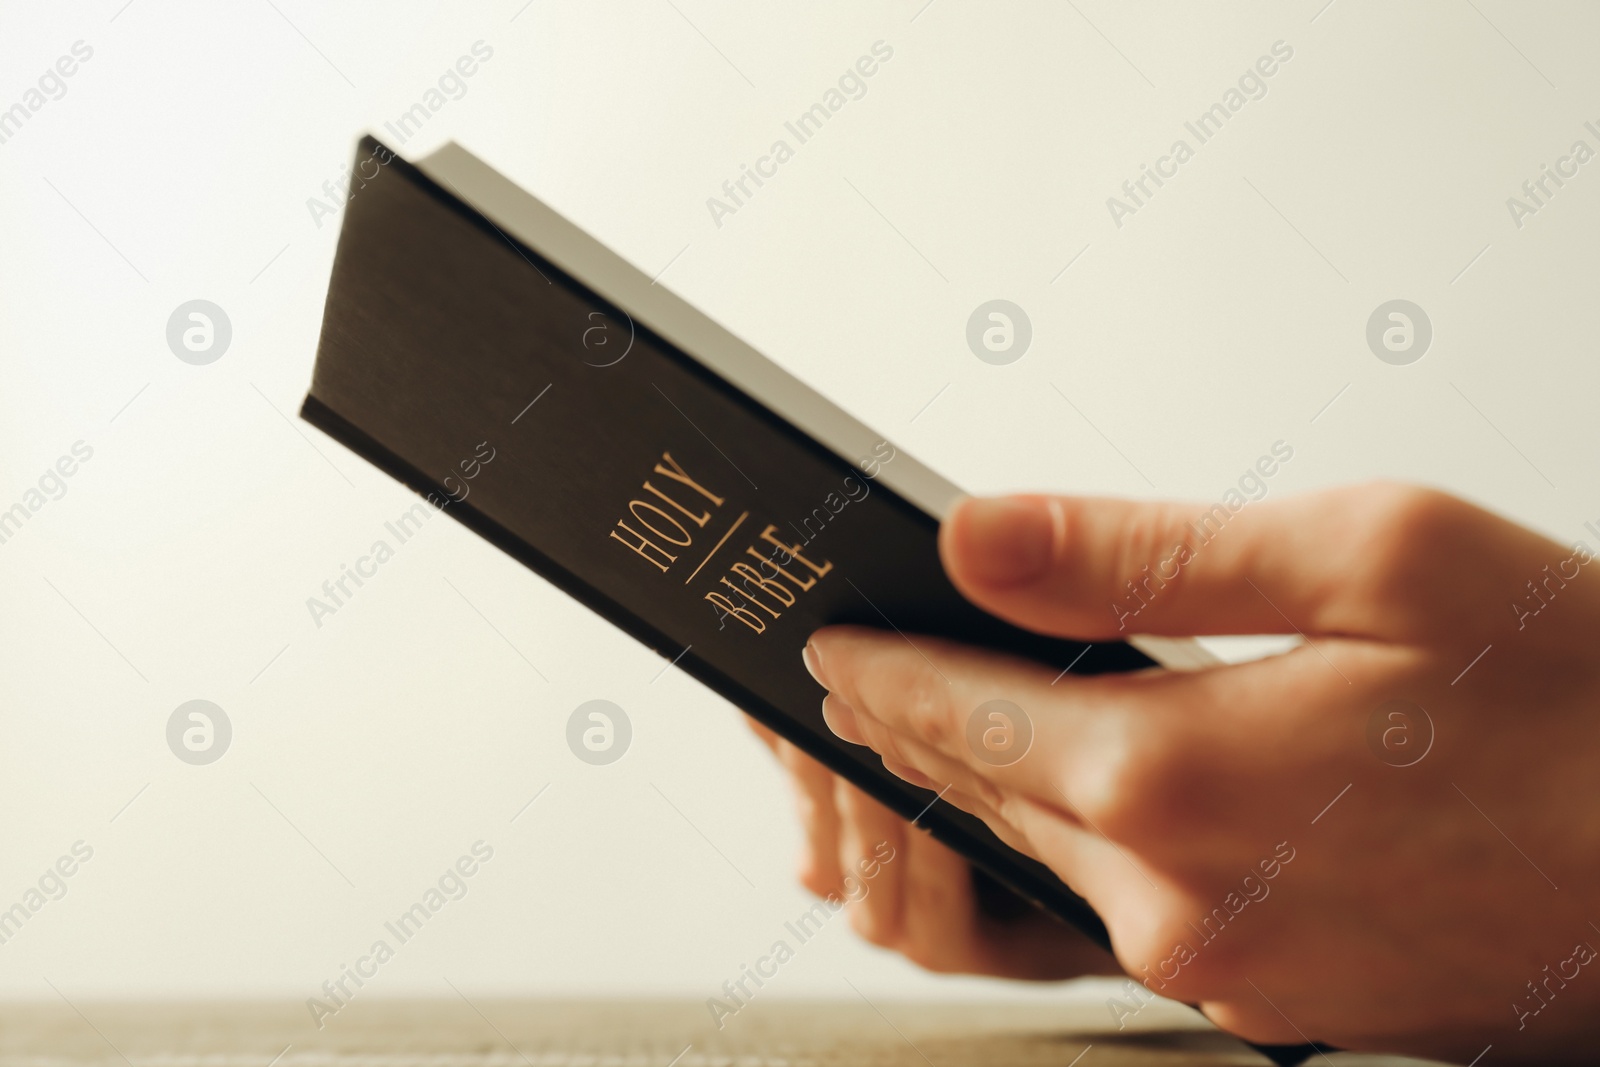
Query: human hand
point(921, 903)
point(1257, 838)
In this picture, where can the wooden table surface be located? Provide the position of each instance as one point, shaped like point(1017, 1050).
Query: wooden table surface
point(482, 1032)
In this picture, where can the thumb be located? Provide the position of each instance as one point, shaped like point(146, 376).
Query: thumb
point(1360, 561)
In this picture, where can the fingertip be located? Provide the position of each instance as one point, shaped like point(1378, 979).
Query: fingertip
point(841, 719)
point(832, 654)
point(811, 656)
point(999, 542)
point(947, 528)
point(909, 774)
point(815, 875)
point(868, 884)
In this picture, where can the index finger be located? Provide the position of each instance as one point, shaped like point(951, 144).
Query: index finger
point(1008, 720)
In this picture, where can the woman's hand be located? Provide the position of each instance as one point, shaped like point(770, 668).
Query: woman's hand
point(922, 902)
point(1386, 839)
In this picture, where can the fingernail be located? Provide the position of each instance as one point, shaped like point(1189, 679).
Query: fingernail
point(841, 719)
point(909, 774)
point(813, 662)
point(1004, 540)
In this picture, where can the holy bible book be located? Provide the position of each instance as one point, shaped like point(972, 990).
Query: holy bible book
point(518, 374)
point(495, 358)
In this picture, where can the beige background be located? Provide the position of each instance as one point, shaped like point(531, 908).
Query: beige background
point(370, 753)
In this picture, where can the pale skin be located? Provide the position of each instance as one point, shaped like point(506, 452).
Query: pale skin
point(1423, 899)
